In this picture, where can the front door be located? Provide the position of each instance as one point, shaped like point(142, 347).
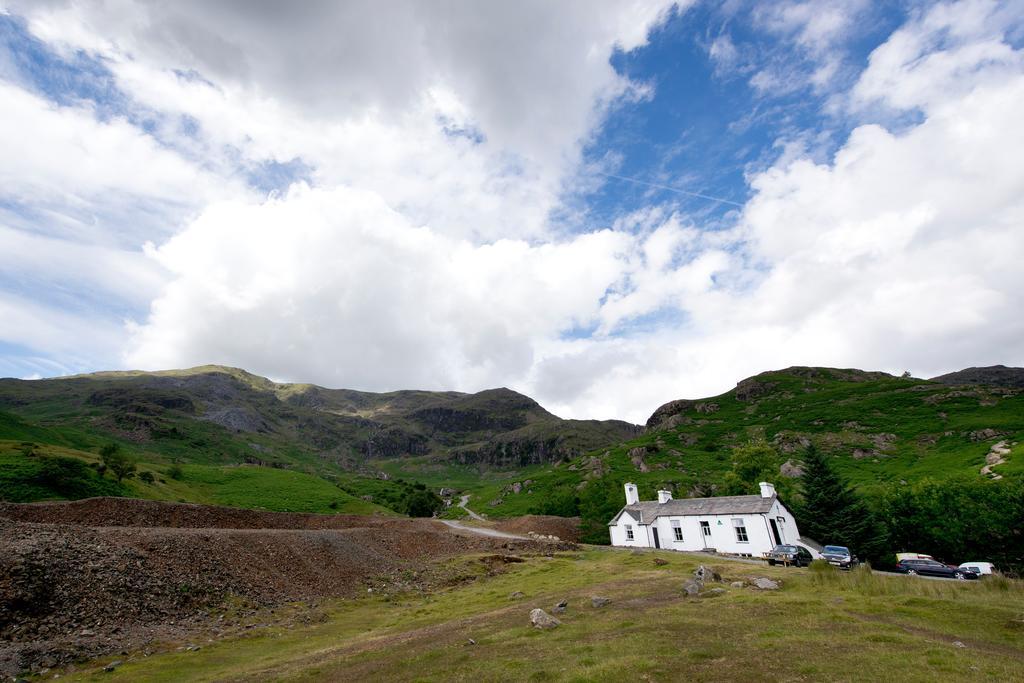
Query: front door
point(705, 530)
point(775, 532)
point(656, 544)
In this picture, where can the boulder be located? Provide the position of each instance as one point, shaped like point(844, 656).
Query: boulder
point(561, 607)
point(692, 587)
point(518, 595)
point(542, 620)
point(738, 584)
point(707, 575)
point(598, 601)
point(765, 584)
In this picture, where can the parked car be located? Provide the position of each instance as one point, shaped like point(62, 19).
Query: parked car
point(933, 568)
point(789, 554)
point(839, 556)
point(913, 556)
point(980, 568)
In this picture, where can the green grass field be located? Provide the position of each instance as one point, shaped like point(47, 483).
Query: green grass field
point(819, 626)
point(245, 486)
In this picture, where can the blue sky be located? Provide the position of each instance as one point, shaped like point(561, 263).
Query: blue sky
point(603, 205)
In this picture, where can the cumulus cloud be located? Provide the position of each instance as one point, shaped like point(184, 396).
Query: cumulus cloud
point(899, 253)
point(421, 103)
point(336, 286)
point(420, 253)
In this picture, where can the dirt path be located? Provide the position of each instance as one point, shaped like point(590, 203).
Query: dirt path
point(462, 504)
point(483, 531)
point(996, 456)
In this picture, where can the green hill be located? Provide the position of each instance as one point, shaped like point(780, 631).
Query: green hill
point(210, 420)
point(889, 436)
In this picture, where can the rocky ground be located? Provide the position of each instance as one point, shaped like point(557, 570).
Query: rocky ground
point(102, 576)
point(564, 528)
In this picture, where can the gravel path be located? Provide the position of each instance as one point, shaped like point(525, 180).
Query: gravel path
point(482, 531)
point(462, 504)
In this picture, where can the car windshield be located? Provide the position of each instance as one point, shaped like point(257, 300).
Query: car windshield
point(837, 549)
point(785, 548)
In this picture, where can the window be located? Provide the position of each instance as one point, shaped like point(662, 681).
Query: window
point(677, 530)
point(629, 532)
point(741, 530)
point(706, 528)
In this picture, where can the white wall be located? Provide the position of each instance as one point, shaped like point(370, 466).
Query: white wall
point(723, 534)
point(641, 533)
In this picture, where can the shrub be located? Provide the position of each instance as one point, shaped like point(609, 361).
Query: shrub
point(117, 461)
point(175, 472)
point(146, 477)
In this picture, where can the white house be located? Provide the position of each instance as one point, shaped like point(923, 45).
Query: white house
point(737, 525)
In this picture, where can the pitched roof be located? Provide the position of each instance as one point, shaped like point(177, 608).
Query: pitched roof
point(646, 511)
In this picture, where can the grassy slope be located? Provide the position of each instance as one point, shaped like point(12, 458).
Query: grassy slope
point(858, 627)
point(931, 424)
point(838, 416)
point(237, 486)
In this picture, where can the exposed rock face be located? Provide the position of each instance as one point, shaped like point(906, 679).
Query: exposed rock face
point(391, 442)
point(666, 411)
point(765, 584)
point(598, 601)
point(237, 419)
point(752, 388)
point(542, 620)
point(145, 401)
point(993, 375)
point(984, 434)
point(791, 469)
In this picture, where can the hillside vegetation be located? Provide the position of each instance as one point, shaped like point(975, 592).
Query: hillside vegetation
point(896, 439)
point(235, 438)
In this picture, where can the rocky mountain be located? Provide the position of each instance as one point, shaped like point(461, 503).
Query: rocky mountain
point(217, 414)
point(992, 375)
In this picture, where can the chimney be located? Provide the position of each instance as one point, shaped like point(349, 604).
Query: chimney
point(664, 496)
point(632, 497)
point(767, 490)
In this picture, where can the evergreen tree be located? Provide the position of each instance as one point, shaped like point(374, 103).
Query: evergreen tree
point(832, 513)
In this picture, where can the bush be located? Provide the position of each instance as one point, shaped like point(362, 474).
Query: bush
point(175, 472)
point(146, 477)
point(422, 503)
point(117, 461)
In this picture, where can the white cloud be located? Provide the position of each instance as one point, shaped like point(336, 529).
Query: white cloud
point(62, 159)
point(368, 95)
point(337, 287)
point(422, 255)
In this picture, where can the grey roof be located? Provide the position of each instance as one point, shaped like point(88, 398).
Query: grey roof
point(647, 511)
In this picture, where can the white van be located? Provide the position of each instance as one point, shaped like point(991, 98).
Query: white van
point(980, 568)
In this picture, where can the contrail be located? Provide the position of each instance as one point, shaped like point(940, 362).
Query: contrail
point(671, 189)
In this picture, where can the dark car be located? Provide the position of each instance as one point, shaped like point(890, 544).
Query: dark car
point(839, 556)
point(789, 554)
point(933, 568)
